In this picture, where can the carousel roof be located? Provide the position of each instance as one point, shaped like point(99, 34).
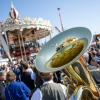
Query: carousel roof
point(42, 27)
point(37, 23)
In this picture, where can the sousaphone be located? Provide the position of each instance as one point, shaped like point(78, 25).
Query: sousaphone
point(63, 49)
point(64, 52)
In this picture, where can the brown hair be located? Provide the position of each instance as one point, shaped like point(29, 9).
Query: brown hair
point(46, 76)
point(24, 65)
point(10, 76)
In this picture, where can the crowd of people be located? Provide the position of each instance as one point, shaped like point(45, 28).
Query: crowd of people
point(92, 56)
point(22, 81)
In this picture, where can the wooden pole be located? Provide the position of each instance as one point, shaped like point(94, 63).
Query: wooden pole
point(20, 46)
point(23, 46)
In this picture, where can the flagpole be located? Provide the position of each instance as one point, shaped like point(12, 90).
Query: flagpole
point(60, 19)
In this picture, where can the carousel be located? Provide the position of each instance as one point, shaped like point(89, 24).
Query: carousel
point(20, 36)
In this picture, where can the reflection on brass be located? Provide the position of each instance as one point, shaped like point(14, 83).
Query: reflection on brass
point(79, 69)
point(79, 82)
point(76, 79)
point(68, 52)
point(87, 95)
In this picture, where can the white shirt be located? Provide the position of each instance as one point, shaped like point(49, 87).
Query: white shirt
point(37, 95)
point(86, 56)
point(33, 75)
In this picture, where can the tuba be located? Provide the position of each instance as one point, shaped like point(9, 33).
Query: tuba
point(82, 86)
point(64, 52)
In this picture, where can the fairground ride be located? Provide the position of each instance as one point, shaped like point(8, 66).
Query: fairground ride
point(19, 36)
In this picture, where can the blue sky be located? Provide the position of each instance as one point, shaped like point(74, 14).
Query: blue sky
point(74, 13)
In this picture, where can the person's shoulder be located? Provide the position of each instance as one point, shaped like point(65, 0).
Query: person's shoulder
point(13, 85)
point(37, 90)
point(21, 83)
point(63, 86)
point(16, 83)
point(37, 95)
point(29, 70)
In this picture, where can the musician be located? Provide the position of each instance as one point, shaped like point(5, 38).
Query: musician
point(49, 90)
